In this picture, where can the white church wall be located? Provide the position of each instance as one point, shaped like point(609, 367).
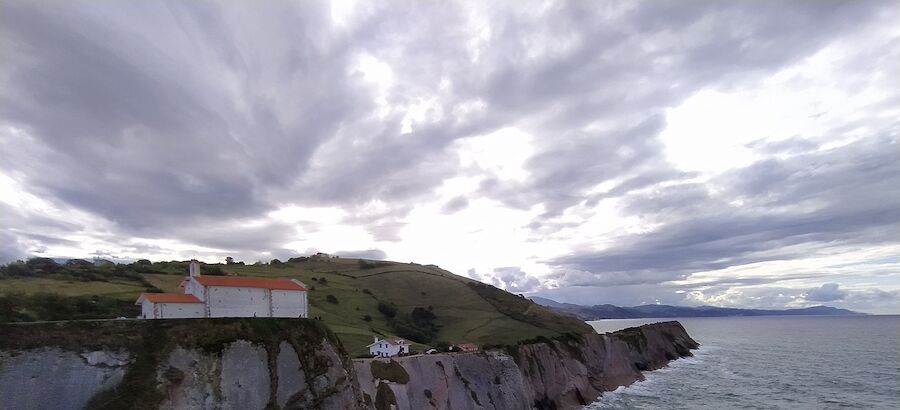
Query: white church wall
point(147, 310)
point(168, 310)
point(237, 302)
point(288, 303)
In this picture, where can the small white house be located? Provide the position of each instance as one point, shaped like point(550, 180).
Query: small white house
point(227, 296)
point(388, 347)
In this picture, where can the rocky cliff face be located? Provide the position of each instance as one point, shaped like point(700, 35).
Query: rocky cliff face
point(545, 374)
point(175, 364)
point(298, 364)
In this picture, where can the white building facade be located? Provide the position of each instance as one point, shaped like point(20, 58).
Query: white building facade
point(388, 347)
point(228, 296)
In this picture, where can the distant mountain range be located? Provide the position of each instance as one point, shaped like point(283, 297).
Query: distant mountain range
point(666, 311)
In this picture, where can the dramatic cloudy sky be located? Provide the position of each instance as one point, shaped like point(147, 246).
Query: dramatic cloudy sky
point(733, 153)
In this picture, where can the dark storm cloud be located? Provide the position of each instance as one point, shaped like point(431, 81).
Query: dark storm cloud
point(786, 208)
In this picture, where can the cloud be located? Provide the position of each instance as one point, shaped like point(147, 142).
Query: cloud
point(828, 292)
point(363, 254)
point(455, 205)
point(770, 210)
point(158, 129)
point(510, 278)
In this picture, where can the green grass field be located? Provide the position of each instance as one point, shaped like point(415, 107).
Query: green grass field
point(120, 289)
point(464, 311)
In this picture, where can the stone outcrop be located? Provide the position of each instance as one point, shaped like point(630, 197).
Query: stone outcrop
point(35, 378)
point(559, 373)
point(176, 364)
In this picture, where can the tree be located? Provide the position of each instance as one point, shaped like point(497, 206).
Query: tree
point(229, 261)
point(42, 265)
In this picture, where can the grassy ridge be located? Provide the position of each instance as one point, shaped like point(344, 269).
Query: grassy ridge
point(345, 294)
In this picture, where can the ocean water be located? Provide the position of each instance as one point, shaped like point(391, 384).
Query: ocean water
point(775, 362)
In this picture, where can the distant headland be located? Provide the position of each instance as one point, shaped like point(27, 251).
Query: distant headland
point(608, 311)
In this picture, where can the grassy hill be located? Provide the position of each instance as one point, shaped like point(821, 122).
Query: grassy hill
point(355, 298)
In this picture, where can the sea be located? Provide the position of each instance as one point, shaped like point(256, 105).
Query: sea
point(772, 362)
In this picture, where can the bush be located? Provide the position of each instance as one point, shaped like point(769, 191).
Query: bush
point(212, 270)
point(387, 309)
point(331, 299)
point(390, 371)
point(409, 331)
point(42, 265)
point(367, 318)
point(422, 318)
point(367, 264)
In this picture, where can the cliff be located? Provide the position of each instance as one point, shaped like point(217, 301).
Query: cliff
point(297, 364)
point(175, 364)
point(558, 373)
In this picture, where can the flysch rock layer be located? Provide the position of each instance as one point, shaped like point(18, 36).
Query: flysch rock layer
point(552, 374)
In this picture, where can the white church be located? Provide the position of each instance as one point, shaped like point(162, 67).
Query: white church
point(227, 296)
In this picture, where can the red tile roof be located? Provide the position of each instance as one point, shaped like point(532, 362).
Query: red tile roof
point(248, 282)
point(169, 298)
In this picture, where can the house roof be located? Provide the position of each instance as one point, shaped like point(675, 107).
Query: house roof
point(393, 340)
point(167, 298)
point(249, 282)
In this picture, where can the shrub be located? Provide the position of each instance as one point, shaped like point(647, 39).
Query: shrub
point(391, 371)
point(367, 318)
point(212, 270)
point(422, 317)
point(387, 309)
point(409, 331)
point(331, 299)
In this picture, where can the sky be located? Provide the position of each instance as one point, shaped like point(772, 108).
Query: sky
point(727, 153)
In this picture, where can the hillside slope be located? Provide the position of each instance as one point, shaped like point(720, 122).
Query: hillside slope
point(344, 293)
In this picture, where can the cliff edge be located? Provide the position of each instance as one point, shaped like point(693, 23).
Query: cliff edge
point(559, 373)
